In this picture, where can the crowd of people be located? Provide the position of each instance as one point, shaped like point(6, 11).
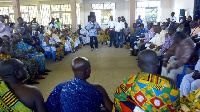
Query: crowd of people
point(163, 50)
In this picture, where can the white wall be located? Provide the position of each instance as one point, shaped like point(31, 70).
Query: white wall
point(122, 9)
point(167, 8)
point(188, 5)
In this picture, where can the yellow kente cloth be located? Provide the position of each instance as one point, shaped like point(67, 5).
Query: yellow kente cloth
point(191, 102)
point(9, 102)
point(149, 92)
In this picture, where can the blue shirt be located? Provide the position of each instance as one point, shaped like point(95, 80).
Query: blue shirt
point(141, 32)
point(92, 31)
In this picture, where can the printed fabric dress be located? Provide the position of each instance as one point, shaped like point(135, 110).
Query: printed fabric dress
point(149, 92)
point(35, 55)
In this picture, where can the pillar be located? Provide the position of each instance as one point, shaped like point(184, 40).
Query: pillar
point(73, 14)
point(132, 14)
point(16, 8)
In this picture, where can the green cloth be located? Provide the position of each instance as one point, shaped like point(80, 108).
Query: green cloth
point(58, 24)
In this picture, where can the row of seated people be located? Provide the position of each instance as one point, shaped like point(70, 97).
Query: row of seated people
point(143, 92)
point(29, 46)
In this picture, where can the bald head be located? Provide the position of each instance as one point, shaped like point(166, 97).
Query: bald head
point(148, 57)
point(148, 61)
point(81, 67)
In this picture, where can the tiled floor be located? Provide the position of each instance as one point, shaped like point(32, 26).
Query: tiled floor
point(109, 67)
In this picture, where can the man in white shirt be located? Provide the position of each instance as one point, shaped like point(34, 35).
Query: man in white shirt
point(52, 24)
point(119, 27)
point(173, 18)
point(111, 27)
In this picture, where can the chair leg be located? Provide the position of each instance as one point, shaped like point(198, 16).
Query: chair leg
point(48, 56)
point(54, 56)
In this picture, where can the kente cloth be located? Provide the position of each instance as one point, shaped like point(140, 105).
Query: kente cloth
point(4, 57)
point(9, 102)
point(35, 55)
point(75, 95)
point(191, 102)
point(149, 92)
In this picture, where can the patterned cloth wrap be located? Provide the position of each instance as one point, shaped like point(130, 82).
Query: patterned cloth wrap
point(35, 55)
point(191, 102)
point(9, 102)
point(149, 92)
point(74, 96)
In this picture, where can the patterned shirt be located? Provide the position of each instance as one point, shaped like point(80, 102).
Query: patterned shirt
point(92, 27)
point(150, 35)
point(169, 41)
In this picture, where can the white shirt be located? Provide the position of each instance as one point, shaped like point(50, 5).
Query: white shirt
point(173, 19)
point(119, 26)
point(160, 38)
point(53, 25)
point(111, 24)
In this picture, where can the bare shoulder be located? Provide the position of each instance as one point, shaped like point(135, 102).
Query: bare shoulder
point(33, 90)
point(99, 87)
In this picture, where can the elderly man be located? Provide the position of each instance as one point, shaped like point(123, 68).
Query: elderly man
point(78, 95)
point(182, 52)
point(15, 96)
point(191, 81)
point(146, 92)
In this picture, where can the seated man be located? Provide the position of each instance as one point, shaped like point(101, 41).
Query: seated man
point(101, 36)
point(169, 39)
point(78, 95)
point(14, 96)
point(146, 92)
point(181, 53)
point(191, 81)
point(140, 34)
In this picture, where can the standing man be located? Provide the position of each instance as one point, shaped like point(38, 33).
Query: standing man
point(119, 27)
point(22, 29)
point(59, 24)
point(53, 24)
point(92, 26)
point(139, 21)
point(111, 27)
point(173, 18)
point(34, 24)
point(127, 31)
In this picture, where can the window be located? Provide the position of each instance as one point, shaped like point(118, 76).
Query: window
point(150, 11)
point(103, 12)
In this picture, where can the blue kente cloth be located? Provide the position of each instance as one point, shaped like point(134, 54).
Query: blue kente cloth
point(38, 56)
point(74, 96)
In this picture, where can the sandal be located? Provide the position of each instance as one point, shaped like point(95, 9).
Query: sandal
point(40, 77)
point(33, 82)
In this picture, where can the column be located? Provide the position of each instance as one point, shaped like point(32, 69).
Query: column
point(39, 20)
point(132, 14)
point(73, 14)
point(16, 8)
